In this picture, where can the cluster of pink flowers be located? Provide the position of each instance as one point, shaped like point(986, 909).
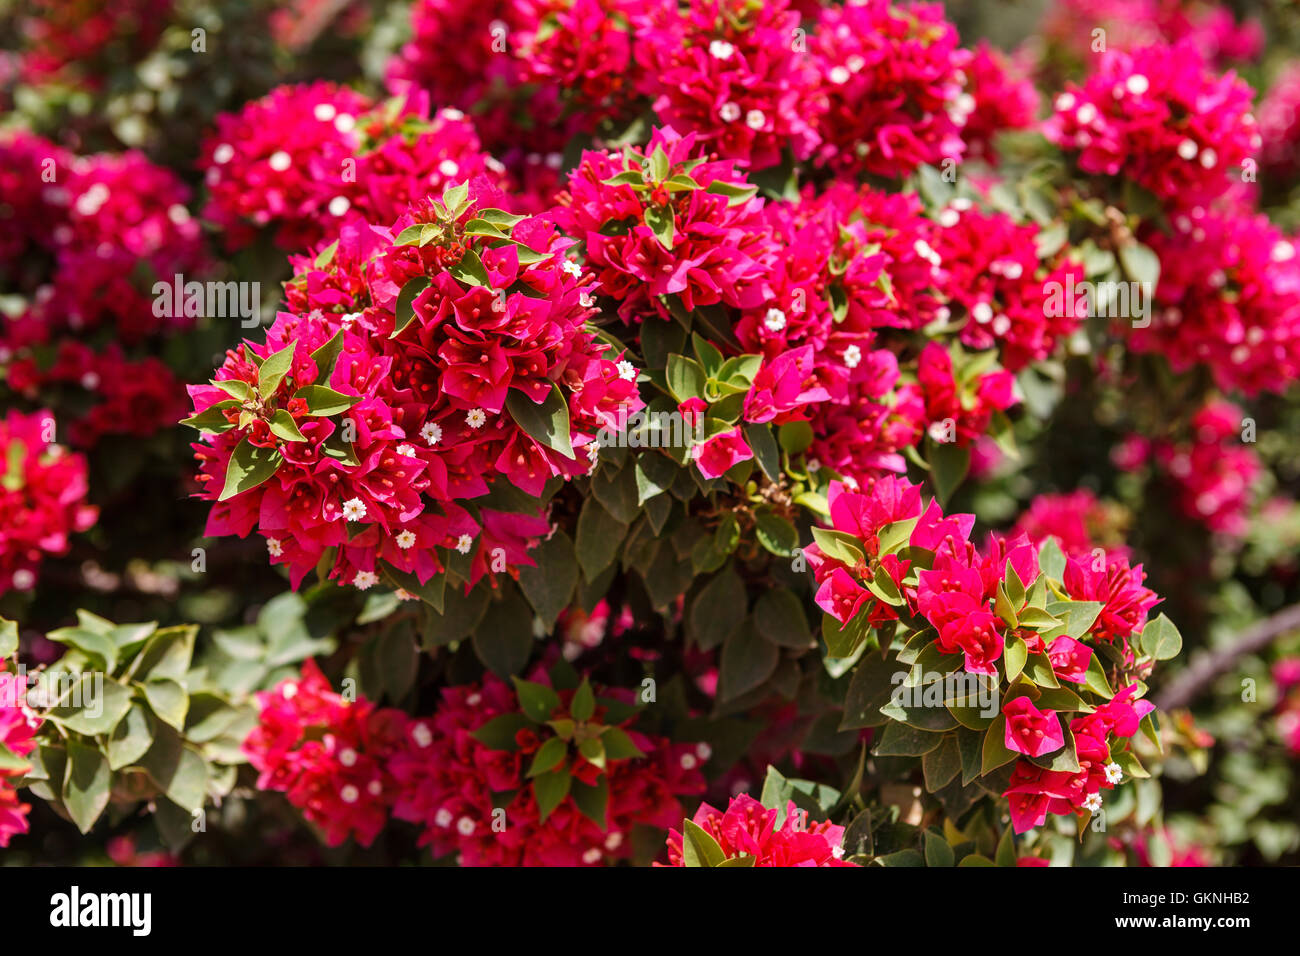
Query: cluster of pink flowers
point(1129, 24)
point(748, 829)
point(132, 397)
point(329, 756)
point(990, 267)
point(1035, 791)
point(18, 726)
point(303, 159)
point(1214, 471)
point(1279, 126)
point(1005, 98)
point(42, 497)
point(411, 421)
point(350, 767)
point(1160, 117)
point(453, 780)
point(732, 73)
point(65, 39)
point(719, 251)
point(1078, 521)
point(1228, 298)
point(110, 224)
point(894, 80)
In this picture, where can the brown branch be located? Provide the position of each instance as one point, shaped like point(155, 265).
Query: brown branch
point(1207, 666)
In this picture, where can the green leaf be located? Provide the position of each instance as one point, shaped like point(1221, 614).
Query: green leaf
point(780, 618)
point(1160, 639)
point(168, 700)
point(747, 661)
point(323, 402)
point(618, 745)
point(166, 654)
point(85, 790)
point(549, 790)
point(499, 732)
point(1140, 264)
point(249, 466)
point(1078, 616)
point(600, 536)
point(663, 223)
point(698, 848)
point(795, 437)
point(547, 423)
point(593, 751)
point(283, 426)
point(937, 851)
point(685, 377)
point(948, 464)
point(1016, 654)
point(503, 640)
point(470, 270)
point(131, 739)
point(592, 801)
point(736, 194)
point(92, 706)
point(177, 770)
point(212, 419)
point(274, 368)
point(903, 741)
point(583, 705)
point(235, 388)
point(765, 450)
point(548, 756)
point(538, 701)
point(995, 752)
point(941, 764)
point(776, 534)
point(404, 309)
point(8, 637)
point(717, 609)
point(1051, 559)
point(549, 584)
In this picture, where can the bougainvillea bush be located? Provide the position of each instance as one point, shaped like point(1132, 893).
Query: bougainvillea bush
point(643, 432)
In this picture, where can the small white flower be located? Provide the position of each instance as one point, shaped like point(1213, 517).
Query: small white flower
point(448, 167)
point(280, 161)
point(852, 356)
point(452, 113)
point(475, 418)
point(814, 466)
point(1001, 325)
point(290, 691)
point(24, 579)
point(466, 826)
point(274, 547)
point(703, 751)
point(721, 50)
point(840, 75)
point(223, 154)
point(1113, 773)
point(755, 119)
point(688, 761)
point(405, 450)
point(774, 320)
point(1092, 802)
point(926, 252)
point(949, 217)
point(423, 737)
point(442, 818)
point(1137, 84)
point(365, 580)
point(613, 841)
point(354, 509)
point(90, 381)
point(730, 112)
point(572, 268)
point(1087, 113)
point(431, 433)
point(374, 788)
point(554, 160)
point(1283, 251)
point(178, 214)
point(347, 757)
point(626, 370)
point(856, 63)
point(592, 856)
point(350, 794)
point(324, 112)
point(983, 313)
point(473, 700)
point(837, 852)
point(1209, 158)
point(464, 544)
point(1065, 102)
point(1188, 149)
point(345, 123)
point(339, 205)
point(403, 595)
point(405, 539)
